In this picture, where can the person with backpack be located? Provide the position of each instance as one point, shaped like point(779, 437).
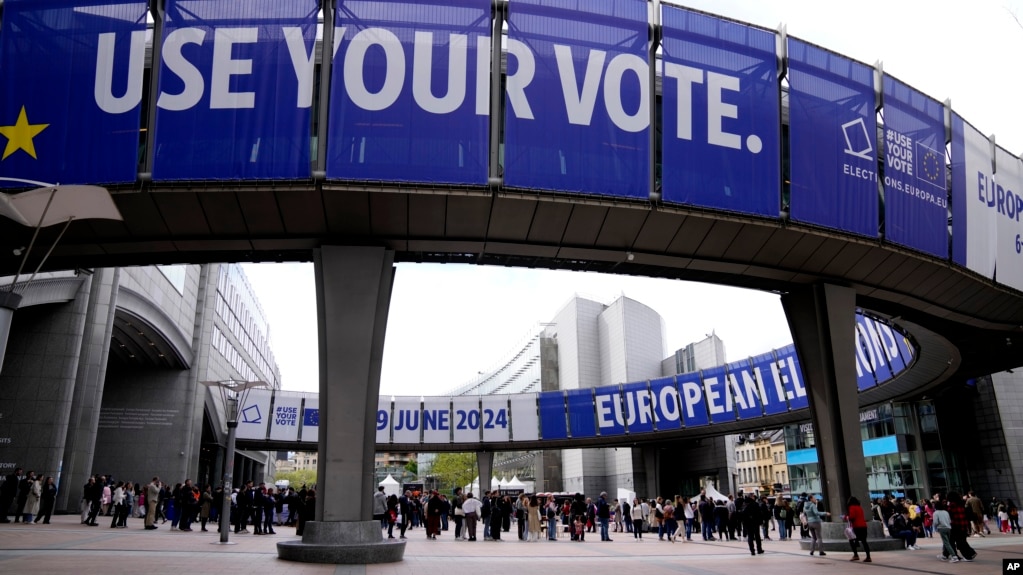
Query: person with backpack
point(899, 528)
point(551, 513)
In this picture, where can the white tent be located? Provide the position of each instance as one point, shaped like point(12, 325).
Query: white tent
point(503, 483)
point(494, 483)
point(391, 487)
point(516, 484)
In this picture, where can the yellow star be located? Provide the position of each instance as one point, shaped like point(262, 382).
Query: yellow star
point(19, 136)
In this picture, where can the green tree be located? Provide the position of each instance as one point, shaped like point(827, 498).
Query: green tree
point(454, 469)
point(412, 467)
point(298, 477)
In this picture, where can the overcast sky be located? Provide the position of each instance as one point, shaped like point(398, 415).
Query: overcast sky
point(448, 322)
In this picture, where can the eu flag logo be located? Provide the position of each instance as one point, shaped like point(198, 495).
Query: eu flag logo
point(311, 418)
point(930, 166)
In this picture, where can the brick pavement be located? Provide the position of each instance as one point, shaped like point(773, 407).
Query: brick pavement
point(67, 547)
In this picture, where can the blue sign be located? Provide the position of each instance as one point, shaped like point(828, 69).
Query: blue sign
point(70, 100)
point(577, 106)
point(915, 194)
point(690, 391)
point(311, 417)
point(722, 116)
point(235, 90)
point(747, 391)
point(410, 91)
point(552, 415)
point(667, 408)
point(610, 415)
point(581, 422)
point(832, 141)
point(718, 395)
point(773, 395)
point(640, 407)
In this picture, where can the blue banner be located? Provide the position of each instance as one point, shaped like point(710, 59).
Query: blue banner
point(552, 415)
point(790, 376)
point(667, 407)
point(235, 90)
point(718, 395)
point(773, 394)
point(746, 390)
point(694, 407)
point(915, 194)
point(722, 117)
point(832, 141)
point(610, 415)
point(581, 422)
point(70, 102)
point(974, 196)
point(640, 407)
point(577, 115)
point(410, 91)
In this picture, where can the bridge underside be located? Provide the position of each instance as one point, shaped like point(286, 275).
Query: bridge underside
point(286, 221)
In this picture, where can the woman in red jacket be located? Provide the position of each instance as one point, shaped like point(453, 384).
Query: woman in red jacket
point(855, 517)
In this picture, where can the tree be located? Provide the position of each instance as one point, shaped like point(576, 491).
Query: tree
point(297, 478)
point(412, 467)
point(454, 469)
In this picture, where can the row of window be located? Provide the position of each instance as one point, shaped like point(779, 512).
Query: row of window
point(761, 474)
point(758, 453)
point(223, 345)
point(248, 323)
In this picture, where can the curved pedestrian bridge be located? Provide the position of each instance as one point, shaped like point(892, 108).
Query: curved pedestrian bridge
point(751, 393)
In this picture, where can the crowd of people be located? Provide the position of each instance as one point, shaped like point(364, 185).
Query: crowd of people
point(536, 517)
point(184, 504)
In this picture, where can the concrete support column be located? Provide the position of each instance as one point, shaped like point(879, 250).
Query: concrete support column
point(83, 425)
point(9, 302)
point(822, 321)
point(485, 469)
point(353, 294)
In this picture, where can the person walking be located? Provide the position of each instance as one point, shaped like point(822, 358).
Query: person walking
point(858, 521)
point(471, 508)
point(47, 500)
point(752, 518)
point(960, 531)
point(943, 525)
point(603, 516)
point(814, 522)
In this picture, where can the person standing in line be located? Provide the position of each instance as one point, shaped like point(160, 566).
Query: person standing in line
point(457, 513)
point(434, 508)
point(24, 487)
point(626, 516)
point(752, 519)
point(405, 509)
point(496, 516)
point(47, 500)
point(814, 523)
point(153, 490)
point(858, 521)
point(637, 521)
point(551, 513)
point(307, 510)
point(380, 506)
point(603, 516)
point(670, 523)
point(205, 505)
point(533, 519)
point(35, 491)
point(8, 491)
point(471, 507)
point(117, 499)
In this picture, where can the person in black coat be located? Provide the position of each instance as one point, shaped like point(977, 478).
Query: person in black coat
point(47, 500)
point(307, 511)
point(752, 518)
point(496, 517)
point(8, 491)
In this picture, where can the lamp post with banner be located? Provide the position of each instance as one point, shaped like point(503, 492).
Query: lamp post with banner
point(232, 394)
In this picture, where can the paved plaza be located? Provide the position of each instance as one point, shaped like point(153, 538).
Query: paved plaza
point(65, 546)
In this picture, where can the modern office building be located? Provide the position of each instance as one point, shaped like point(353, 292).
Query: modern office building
point(103, 371)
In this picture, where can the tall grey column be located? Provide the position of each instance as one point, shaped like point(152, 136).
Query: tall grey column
point(485, 470)
point(80, 445)
point(353, 292)
point(8, 303)
point(822, 319)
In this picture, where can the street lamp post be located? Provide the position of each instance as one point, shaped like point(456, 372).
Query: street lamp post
point(232, 395)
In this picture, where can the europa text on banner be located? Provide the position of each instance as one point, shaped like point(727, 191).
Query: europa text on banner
point(70, 99)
